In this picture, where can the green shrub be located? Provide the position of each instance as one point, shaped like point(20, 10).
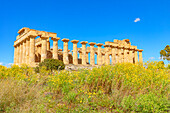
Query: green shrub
point(52, 64)
point(168, 66)
point(125, 88)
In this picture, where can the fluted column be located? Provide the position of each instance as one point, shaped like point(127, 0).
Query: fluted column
point(65, 52)
point(84, 52)
point(120, 49)
point(99, 56)
point(75, 52)
point(24, 52)
point(19, 47)
point(96, 53)
point(80, 54)
point(44, 48)
point(136, 54)
point(125, 54)
point(17, 58)
point(131, 55)
point(15, 54)
point(55, 47)
point(113, 48)
point(140, 56)
point(21, 53)
point(92, 58)
point(87, 57)
point(103, 58)
point(32, 50)
point(27, 50)
point(116, 54)
point(107, 59)
point(48, 45)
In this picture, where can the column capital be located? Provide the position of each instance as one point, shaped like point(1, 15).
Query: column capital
point(55, 38)
point(106, 45)
point(79, 51)
point(114, 45)
point(33, 34)
point(135, 48)
point(131, 48)
point(65, 40)
point(75, 41)
point(126, 47)
point(120, 47)
point(99, 44)
point(140, 50)
point(60, 49)
point(126, 40)
point(44, 37)
point(92, 43)
point(83, 42)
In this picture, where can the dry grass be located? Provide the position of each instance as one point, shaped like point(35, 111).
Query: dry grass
point(122, 88)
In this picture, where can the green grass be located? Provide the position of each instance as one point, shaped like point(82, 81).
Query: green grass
point(122, 88)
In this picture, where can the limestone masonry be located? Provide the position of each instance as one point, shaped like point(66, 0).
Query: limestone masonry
point(31, 51)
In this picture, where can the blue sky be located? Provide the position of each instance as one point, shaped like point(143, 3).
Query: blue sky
point(88, 20)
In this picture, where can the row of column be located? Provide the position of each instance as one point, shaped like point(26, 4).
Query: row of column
point(119, 54)
point(24, 52)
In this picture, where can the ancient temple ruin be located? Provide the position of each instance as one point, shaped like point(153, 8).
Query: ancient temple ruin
point(31, 50)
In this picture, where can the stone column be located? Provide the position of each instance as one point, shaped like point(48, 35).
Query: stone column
point(116, 54)
point(16, 58)
point(65, 52)
point(99, 56)
point(96, 53)
point(21, 53)
point(113, 48)
point(103, 58)
point(15, 54)
point(80, 54)
point(32, 50)
point(87, 57)
point(48, 45)
point(136, 54)
point(27, 50)
point(19, 47)
point(107, 59)
point(44, 48)
point(55, 47)
point(140, 56)
point(92, 58)
point(24, 52)
point(120, 53)
point(125, 54)
point(75, 52)
point(84, 52)
point(131, 55)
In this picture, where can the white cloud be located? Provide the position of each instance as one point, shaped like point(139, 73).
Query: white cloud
point(1, 63)
point(152, 58)
point(9, 64)
point(137, 20)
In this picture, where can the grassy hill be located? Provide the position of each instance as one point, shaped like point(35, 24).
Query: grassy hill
point(120, 88)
